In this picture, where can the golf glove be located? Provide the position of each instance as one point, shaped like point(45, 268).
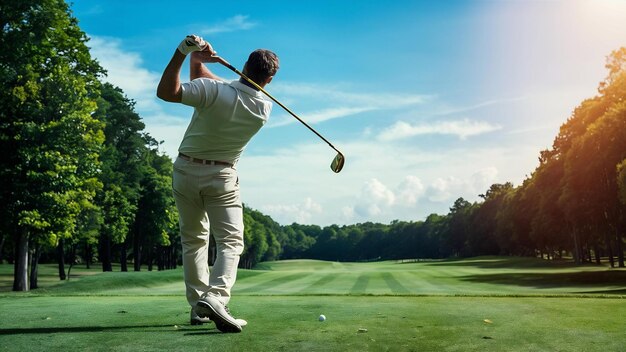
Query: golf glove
point(193, 43)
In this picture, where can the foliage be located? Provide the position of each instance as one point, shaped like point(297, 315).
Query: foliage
point(50, 83)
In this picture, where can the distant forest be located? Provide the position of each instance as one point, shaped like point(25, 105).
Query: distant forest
point(82, 182)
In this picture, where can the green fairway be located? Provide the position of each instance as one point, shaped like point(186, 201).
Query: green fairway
point(479, 304)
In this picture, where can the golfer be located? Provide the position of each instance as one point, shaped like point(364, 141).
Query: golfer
point(205, 184)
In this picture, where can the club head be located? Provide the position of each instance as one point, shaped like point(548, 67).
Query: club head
point(337, 163)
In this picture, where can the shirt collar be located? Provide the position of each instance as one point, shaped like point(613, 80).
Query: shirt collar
point(240, 86)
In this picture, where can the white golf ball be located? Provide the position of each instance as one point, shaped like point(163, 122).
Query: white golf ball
point(322, 317)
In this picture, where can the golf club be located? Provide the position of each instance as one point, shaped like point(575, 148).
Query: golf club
point(338, 161)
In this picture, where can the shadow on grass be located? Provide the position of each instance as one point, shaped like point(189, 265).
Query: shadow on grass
point(509, 263)
point(83, 329)
point(602, 280)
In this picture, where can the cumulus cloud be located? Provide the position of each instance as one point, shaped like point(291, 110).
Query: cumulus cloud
point(375, 199)
point(440, 190)
point(301, 213)
point(410, 190)
point(444, 189)
point(460, 128)
point(378, 200)
point(125, 70)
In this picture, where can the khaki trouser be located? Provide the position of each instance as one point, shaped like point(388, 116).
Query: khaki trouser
point(207, 198)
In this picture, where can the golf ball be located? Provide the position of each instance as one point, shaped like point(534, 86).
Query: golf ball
point(322, 317)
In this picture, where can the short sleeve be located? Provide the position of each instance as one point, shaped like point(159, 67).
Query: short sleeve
point(201, 92)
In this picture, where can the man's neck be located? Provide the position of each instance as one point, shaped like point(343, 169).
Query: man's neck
point(244, 81)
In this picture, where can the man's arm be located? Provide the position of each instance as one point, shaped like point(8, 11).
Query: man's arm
point(169, 88)
point(197, 69)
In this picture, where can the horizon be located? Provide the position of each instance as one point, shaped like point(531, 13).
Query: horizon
point(428, 101)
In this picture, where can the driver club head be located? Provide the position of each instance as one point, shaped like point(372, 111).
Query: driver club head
point(337, 163)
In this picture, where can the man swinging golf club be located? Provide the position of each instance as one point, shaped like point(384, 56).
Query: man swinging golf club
point(205, 183)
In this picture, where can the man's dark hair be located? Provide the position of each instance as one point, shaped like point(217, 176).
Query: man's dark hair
point(261, 65)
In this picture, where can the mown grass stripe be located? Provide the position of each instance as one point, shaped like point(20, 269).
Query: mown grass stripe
point(360, 285)
point(271, 284)
point(393, 284)
point(319, 284)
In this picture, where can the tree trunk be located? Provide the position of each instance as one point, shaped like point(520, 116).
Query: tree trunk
point(2, 246)
point(576, 251)
point(609, 249)
point(123, 257)
point(61, 260)
point(34, 267)
point(596, 252)
point(171, 261)
point(72, 260)
point(620, 250)
point(88, 255)
point(150, 259)
point(20, 275)
point(137, 250)
point(105, 253)
point(160, 258)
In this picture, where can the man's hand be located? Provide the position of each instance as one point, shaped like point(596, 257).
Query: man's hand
point(205, 56)
point(193, 43)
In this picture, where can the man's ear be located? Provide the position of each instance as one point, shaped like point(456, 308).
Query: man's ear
point(267, 81)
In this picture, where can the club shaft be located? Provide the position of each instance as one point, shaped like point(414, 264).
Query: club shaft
point(232, 68)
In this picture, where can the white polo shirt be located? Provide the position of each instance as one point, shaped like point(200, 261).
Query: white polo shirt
point(225, 118)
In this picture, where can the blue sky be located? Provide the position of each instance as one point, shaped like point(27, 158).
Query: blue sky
point(428, 100)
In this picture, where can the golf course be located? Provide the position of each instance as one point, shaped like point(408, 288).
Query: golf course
point(475, 304)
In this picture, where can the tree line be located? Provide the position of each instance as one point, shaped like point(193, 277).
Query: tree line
point(81, 181)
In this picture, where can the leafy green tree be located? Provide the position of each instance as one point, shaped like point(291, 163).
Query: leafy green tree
point(46, 122)
point(434, 229)
point(123, 166)
point(591, 163)
point(454, 241)
point(482, 238)
point(621, 181)
point(156, 220)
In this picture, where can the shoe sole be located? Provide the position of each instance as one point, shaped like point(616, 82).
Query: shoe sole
point(195, 322)
point(222, 324)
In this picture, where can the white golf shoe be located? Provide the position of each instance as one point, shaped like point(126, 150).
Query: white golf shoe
point(210, 306)
point(195, 319)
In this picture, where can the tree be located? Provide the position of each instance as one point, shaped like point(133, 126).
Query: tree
point(46, 121)
point(123, 165)
point(454, 241)
point(621, 181)
point(156, 220)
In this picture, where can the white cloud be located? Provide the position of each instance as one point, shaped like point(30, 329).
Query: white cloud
point(319, 116)
point(446, 189)
point(410, 182)
point(482, 179)
point(441, 189)
point(448, 110)
point(124, 69)
point(410, 190)
point(301, 213)
point(235, 23)
point(376, 191)
point(460, 128)
point(342, 101)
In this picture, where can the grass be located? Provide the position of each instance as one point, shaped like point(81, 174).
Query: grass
point(479, 304)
